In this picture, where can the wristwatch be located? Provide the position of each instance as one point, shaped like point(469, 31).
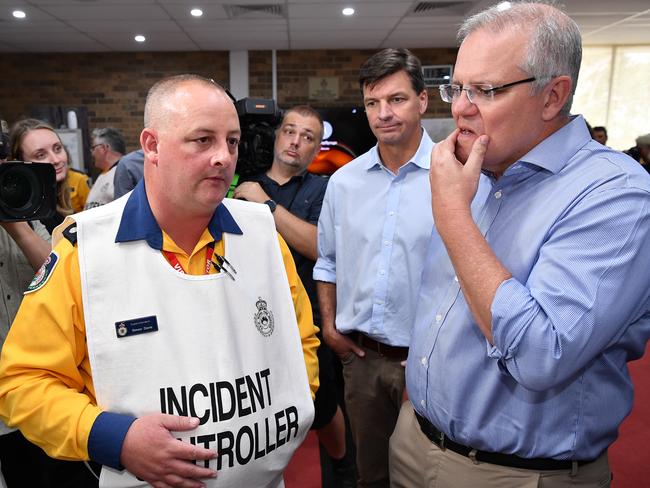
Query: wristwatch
point(272, 205)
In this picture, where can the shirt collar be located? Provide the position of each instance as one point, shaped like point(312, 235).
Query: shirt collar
point(138, 222)
point(554, 152)
point(421, 158)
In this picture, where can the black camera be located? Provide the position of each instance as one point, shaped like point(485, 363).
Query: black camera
point(27, 191)
point(258, 118)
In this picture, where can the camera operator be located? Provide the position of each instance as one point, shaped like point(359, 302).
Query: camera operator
point(30, 239)
point(24, 247)
point(294, 197)
point(37, 141)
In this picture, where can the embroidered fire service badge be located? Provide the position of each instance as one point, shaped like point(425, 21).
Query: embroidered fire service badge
point(44, 273)
point(263, 318)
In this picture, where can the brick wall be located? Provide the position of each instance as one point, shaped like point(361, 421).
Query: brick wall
point(294, 68)
point(113, 86)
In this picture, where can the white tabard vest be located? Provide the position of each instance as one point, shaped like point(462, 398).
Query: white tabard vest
point(225, 351)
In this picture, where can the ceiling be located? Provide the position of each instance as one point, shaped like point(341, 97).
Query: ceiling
point(110, 25)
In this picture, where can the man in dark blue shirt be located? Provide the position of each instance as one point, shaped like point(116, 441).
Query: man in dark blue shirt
point(295, 197)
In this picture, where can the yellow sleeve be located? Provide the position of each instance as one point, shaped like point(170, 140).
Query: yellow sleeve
point(304, 317)
point(46, 387)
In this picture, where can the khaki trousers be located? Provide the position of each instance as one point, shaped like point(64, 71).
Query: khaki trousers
point(374, 386)
point(416, 462)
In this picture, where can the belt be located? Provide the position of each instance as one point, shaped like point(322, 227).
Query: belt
point(536, 464)
point(382, 349)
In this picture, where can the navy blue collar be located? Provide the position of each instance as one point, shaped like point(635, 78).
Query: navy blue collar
point(138, 221)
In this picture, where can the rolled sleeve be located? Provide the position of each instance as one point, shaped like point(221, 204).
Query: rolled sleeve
point(512, 303)
point(571, 306)
point(325, 267)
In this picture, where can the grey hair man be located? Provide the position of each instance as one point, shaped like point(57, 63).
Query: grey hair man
point(107, 149)
point(517, 368)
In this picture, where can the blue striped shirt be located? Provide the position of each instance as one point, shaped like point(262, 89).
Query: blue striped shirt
point(571, 221)
point(373, 234)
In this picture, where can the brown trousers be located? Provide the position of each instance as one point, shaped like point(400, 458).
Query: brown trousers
point(416, 462)
point(374, 386)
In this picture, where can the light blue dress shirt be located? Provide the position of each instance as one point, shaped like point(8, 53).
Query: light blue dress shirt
point(373, 234)
point(571, 221)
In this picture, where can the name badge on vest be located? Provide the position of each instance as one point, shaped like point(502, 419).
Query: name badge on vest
point(142, 325)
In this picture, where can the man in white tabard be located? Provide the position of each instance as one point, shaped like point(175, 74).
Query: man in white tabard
point(176, 344)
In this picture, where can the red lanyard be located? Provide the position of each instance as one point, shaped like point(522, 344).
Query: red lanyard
point(173, 260)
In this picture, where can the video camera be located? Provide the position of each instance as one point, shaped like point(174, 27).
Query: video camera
point(258, 118)
point(27, 190)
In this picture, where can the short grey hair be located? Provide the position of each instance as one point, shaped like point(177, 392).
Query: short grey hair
point(555, 43)
point(166, 87)
point(112, 137)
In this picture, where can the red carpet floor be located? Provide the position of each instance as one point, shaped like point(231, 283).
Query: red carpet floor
point(629, 456)
point(304, 469)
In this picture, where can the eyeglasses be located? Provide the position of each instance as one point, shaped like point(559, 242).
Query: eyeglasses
point(481, 92)
point(92, 148)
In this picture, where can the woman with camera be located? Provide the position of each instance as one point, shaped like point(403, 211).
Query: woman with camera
point(26, 245)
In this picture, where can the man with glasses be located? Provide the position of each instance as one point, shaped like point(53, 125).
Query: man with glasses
point(373, 233)
point(517, 366)
point(108, 148)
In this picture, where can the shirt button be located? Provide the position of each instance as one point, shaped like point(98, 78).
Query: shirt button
point(498, 194)
point(382, 272)
point(391, 213)
point(438, 318)
point(456, 279)
point(423, 361)
point(422, 403)
point(386, 243)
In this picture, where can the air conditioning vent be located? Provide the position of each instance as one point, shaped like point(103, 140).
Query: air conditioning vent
point(436, 74)
point(264, 11)
point(432, 9)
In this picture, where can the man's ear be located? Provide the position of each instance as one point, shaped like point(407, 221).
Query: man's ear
point(149, 143)
point(556, 93)
point(424, 101)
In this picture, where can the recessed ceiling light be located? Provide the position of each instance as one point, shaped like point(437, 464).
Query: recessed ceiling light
point(19, 14)
point(348, 11)
point(140, 38)
point(196, 12)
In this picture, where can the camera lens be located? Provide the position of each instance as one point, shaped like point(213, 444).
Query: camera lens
point(19, 190)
